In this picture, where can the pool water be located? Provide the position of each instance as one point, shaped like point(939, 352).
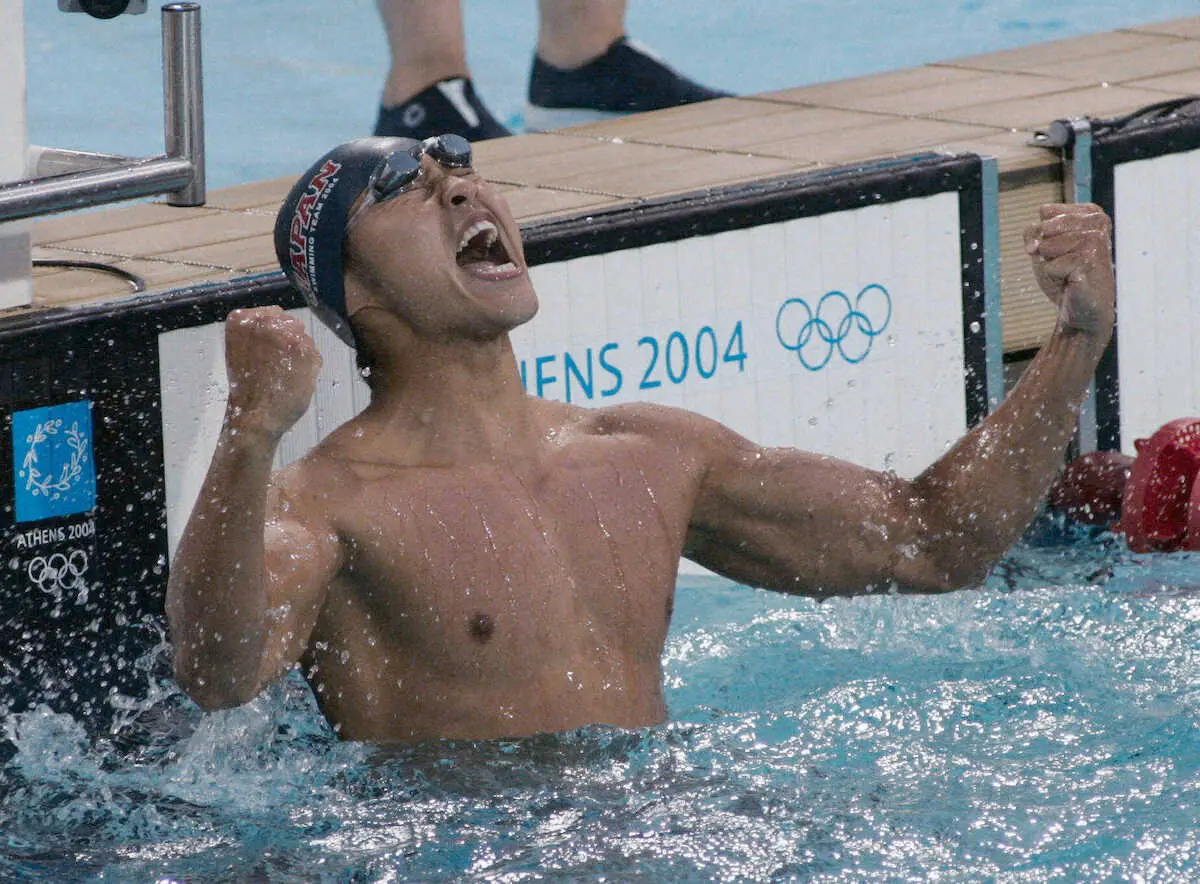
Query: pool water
point(1043, 727)
point(285, 79)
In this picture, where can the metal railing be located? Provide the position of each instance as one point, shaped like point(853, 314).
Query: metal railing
point(69, 179)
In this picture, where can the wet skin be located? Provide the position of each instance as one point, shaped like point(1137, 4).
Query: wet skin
point(463, 560)
point(510, 596)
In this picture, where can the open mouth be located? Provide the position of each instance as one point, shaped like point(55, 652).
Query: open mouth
point(481, 251)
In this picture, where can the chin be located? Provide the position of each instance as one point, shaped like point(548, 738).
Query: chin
point(527, 311)
point(518, 306)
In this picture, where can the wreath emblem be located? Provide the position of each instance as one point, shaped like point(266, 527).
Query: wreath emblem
point(51, 486)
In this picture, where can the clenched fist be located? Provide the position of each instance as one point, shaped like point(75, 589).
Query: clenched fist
point(1071, 249)
point(273, 365)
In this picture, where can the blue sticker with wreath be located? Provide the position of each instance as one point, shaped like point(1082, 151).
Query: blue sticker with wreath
point(54, 471)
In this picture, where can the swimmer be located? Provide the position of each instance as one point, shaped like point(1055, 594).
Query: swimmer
point(1152, 498)
point(1090, 489)
point(464, 560)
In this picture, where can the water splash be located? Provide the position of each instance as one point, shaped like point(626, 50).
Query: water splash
point(1048, 721)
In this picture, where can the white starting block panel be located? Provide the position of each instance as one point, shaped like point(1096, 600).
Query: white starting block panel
point(1148, 179)
point(1157, 242)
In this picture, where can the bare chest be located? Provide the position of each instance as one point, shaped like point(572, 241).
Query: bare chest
point(496, 554)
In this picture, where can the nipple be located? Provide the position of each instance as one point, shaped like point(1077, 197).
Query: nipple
point(481, 628)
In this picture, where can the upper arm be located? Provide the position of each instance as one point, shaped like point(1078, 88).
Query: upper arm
point(804, 523)
point(302, 556)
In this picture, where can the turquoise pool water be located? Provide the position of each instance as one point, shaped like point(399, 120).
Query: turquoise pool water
point(285, 79)
point(1043, 728)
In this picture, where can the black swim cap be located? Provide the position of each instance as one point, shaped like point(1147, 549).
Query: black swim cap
point(312, 224)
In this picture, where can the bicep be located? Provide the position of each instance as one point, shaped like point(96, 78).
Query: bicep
point(302, 557)
point(803, 523)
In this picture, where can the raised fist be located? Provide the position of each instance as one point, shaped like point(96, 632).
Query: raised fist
point(1071, 249)
point(273, 365)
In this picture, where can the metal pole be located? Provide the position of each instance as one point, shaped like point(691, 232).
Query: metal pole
point(27, 199)
point(1079, 190)
point(183, 96)
point(994, 339)
point(81, 179)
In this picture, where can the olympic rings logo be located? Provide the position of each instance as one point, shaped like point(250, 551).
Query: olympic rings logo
point(837, 325)
point(59, 572)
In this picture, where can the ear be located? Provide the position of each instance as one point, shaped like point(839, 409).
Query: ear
point(355, 286)
point(356, 299)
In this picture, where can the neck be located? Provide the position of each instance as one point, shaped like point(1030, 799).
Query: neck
point(451, 400)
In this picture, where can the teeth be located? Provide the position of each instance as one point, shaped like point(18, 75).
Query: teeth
point(497, 271)
point(485, 227)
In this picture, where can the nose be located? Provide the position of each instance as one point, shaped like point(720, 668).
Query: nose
point(455, 187)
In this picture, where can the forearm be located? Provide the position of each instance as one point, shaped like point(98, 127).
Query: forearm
point(216, 595)
point(983, 493)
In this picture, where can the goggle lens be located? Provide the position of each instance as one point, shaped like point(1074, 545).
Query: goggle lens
point(399, 171)
point(395, 175)
point(451, 151)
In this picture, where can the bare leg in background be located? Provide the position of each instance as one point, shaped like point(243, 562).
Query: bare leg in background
point(425, 39)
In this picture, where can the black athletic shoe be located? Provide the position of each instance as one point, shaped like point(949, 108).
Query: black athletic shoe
point(626, 79)
point(447, 107)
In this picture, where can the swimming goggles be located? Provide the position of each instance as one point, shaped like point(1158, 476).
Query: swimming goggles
point(398, 172)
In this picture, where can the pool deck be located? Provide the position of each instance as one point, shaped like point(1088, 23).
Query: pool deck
point(988, 104)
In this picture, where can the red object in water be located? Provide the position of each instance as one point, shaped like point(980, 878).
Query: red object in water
point(1159, 512)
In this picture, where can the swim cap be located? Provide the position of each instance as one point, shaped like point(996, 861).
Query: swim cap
point(1161, 509)
point(311, 224)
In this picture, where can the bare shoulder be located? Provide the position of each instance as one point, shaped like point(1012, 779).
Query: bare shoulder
point(652, 419)
point(685, 432)
point(309, 489)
